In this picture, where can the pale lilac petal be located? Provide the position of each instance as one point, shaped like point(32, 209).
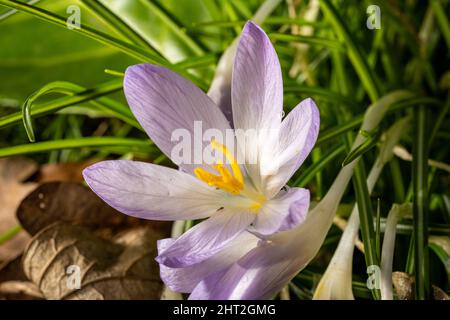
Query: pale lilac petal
point(220, 89)
point(168, 106)
point(260, 274)
point(257, 95)
point(149, 191)
point(205, 239)
point(266, 269)
point(283, 212)
point(186, 279)
point(299, 131)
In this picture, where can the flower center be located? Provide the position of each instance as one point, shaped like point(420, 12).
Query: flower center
point(232, 182)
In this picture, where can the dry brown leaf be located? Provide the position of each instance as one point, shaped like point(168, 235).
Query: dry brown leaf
point(12, 270)
point(404, 286)
point(123, 268)
point(71, 171)
point(76, 204)
point(13, 171)
point(20, 290)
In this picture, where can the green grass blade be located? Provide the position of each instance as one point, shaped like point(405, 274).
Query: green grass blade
point(366, 75)
point(127, 48)
point(132, 145)
point(312, 170)
point(57, 104)
point(9, 234)
point(110, 106)
point(420, 204)
point(442, 20)
point(117, 24)
point(367, 145)
point(327, 43)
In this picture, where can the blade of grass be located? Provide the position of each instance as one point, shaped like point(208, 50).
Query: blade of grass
point(86, 142)
point(105, 104)
point(141, 54)
point(336, 131)
point(309, 174)
point(57, 104)
point(420, 204)
point(442, 20)
point(367, 145)
point(330, 44)
point(325, 94)
point(397, 180)
point(366, 75)
point(117, 24)
point(9, 234)
point(131, 50)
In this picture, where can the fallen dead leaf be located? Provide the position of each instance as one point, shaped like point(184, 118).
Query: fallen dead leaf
point(12, 270)
point(404, 286)
point(123, 268)
point(13, 171)
point(71, 171)
point(76, 204)
point(20, 290)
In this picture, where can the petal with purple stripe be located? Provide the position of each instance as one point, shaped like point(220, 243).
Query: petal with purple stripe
point(186, 279)
point(206, 238)
point(283, 212)
point(257, 96)
point(169, 108)
point(149, 191)
point(298, 134)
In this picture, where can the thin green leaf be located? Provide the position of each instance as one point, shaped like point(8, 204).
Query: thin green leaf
point(309, 174)
point(420, 204)
point(57, 104)
point(367, 145)
point(117, 24)
point(9, 234)
point(330, 44)
point(132, 145)
point(133, 51)
point(442, 20)
point(110, 106)
point(355, 55)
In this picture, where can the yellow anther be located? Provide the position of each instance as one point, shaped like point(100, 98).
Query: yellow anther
point(233, 183)
point(225, 174)
point(231, 159)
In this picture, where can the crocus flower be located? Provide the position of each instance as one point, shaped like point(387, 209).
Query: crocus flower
point(266, 268)
point(240, 200)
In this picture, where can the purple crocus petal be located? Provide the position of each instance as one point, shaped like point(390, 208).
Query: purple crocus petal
point(257, 95)
point(260, 274)
point(298, 134)
point(205, 239)
point(163, 101)
point(186, 279)
point(220, 89)
point(283, 212)
point(264, 270)
point(149, 191)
